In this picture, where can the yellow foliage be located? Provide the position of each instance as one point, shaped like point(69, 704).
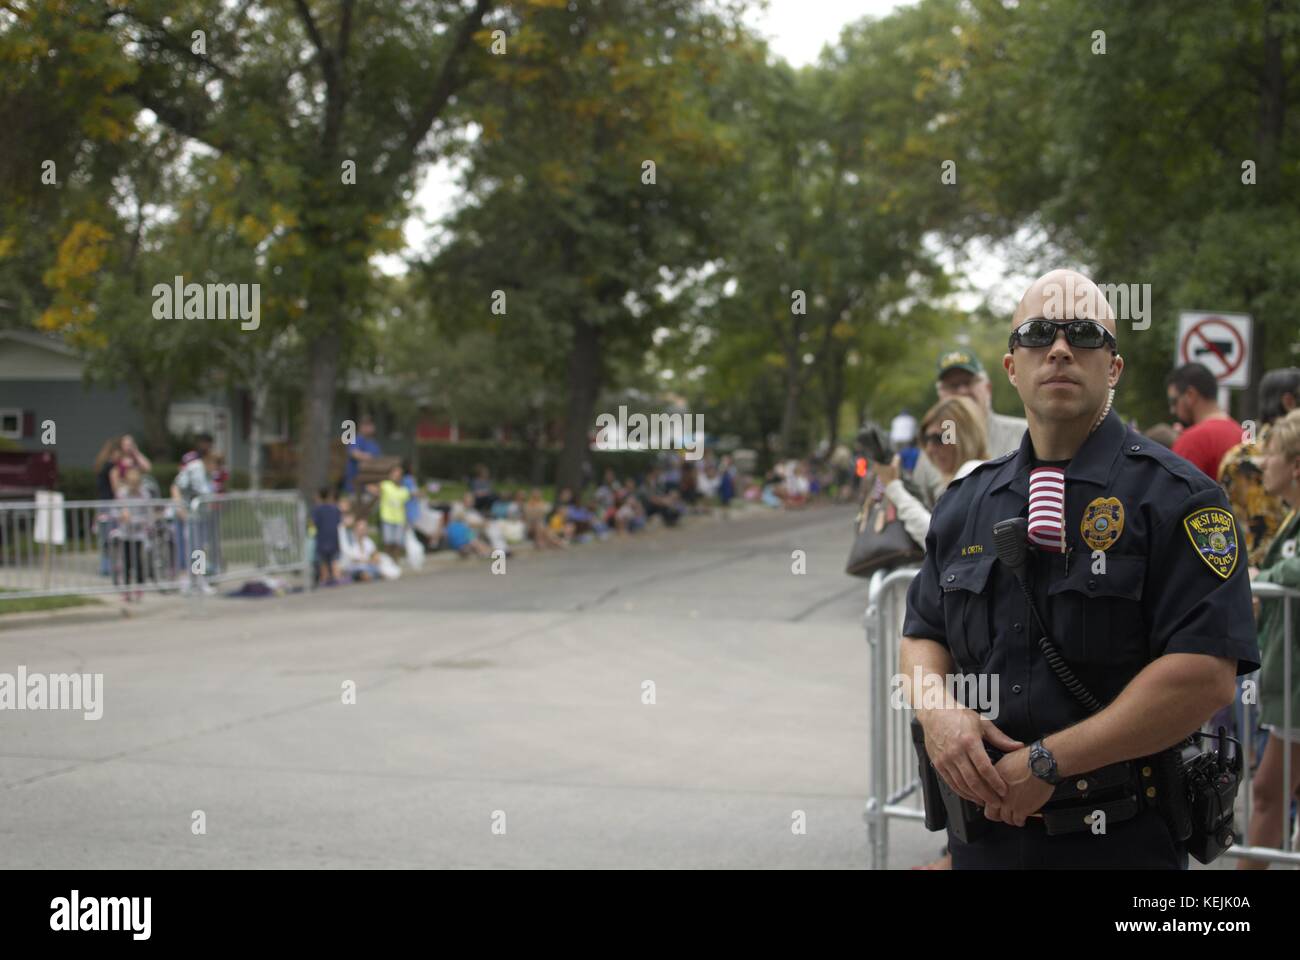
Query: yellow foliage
point(80, 254)
point(283, 216)
point(252, 230)
point(553, 4)
point(7, 245)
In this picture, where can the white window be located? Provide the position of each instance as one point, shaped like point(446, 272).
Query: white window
point(11, 423)
point(183, 418)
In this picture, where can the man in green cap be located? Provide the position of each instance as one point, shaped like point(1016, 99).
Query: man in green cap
point(960, 374)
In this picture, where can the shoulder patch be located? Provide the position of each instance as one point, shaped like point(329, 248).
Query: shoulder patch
point(1213, 532)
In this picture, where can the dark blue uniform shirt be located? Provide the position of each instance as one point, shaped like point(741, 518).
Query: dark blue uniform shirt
point(1154, 566)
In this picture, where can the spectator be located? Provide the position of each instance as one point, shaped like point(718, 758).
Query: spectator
point(962, 375)
point(360, 558)
point(220, 475)
point(841, 463)
point(1259, 514)
point(428, 525)
point(106, 462)
point(129, 456)
point(726, 482)
point(707, 481)
point(1271, 800)
point(105, 517)
point(536, 511)
point(412, 504)
point(586, 522)
point(512, 523)
point(202, 444)
point(326, 518)
point(194, 479)
point(656, 500)
point(902, 435)
point(481, 487)
point(774, 487)
point(689, 486)
point(1208, 432)
point(1163, 434)
point(953, 454)
point(393, 497)
point(558, 521)
point(629, 514)
point(461, 537)
point(488, 529)
point(363, 447)
point(133, 529)
point(608, 496)
point(798, 484)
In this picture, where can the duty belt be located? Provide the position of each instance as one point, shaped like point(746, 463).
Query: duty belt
point(1113, 791)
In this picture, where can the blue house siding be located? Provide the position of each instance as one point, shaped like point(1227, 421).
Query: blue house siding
point(84, 416)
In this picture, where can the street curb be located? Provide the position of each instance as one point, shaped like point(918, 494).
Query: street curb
point(111, 610)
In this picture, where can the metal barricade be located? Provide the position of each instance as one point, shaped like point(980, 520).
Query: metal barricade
point(236, 536)
point(894, 785)
point(88, 547)
point(1286, 852)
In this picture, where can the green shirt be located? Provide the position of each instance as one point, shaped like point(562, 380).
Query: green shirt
point(1282, 566)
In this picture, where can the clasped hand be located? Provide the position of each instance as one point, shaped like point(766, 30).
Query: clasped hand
point(1007, 790)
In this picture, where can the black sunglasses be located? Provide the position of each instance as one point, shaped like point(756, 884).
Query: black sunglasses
point(1088, 334)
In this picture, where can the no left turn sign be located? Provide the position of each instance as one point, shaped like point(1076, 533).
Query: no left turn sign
point(1220, 341)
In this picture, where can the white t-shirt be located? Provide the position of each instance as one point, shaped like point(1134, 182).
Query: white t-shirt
point(356, 552)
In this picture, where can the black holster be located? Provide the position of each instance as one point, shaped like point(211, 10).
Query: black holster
point(943, 807)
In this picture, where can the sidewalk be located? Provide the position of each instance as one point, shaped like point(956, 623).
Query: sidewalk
point(112, 607)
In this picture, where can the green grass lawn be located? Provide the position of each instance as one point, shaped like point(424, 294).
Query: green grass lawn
point(29, 604)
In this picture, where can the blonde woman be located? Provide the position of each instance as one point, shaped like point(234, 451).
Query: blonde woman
point(954, 438)
point(1270, 800)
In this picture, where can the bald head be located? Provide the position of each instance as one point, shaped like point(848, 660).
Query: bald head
point(1064, 387)
point(1064, 295)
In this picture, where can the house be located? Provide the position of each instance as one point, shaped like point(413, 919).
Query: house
point(42, 381)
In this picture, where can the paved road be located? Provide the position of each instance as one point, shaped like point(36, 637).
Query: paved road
point(475, 694)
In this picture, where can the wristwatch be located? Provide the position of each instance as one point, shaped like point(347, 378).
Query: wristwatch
point(1042, 764)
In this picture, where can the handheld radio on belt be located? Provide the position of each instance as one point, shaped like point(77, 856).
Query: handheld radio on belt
point(1193, 790)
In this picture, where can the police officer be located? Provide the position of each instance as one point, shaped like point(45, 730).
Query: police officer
point(1136, 576)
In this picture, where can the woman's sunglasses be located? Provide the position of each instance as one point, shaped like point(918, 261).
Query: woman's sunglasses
point(1088, 334)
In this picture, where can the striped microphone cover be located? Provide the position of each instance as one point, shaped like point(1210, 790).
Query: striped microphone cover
point(1047, 508)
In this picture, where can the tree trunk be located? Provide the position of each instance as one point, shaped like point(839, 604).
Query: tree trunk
point(790, 412)
point(584, 385)
point(318, 428)
point(536, 434)
point(834, 396)
point(257, 395)
point(153, 402)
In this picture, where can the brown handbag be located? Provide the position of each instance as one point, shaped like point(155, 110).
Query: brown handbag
point(880, 540)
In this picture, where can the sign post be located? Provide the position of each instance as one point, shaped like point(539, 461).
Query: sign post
point(48, 528)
